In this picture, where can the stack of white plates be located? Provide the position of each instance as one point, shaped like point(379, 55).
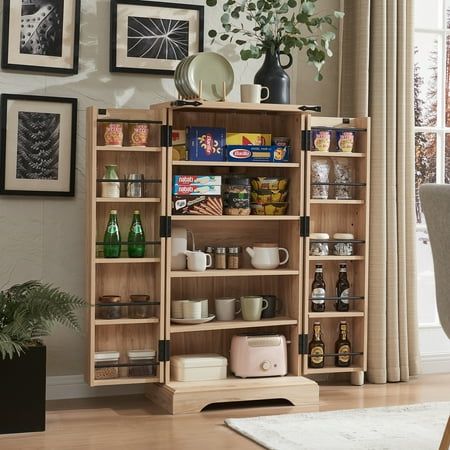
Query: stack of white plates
point(212, 69)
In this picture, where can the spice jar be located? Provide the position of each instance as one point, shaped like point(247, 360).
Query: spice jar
point(138, 134)
point(319, 248)
point(234, 256)
point(142, 363)
point(343, 248)
point(236, 195)
point(139, 310)
point(103, 362)
point(220, 260)
point(112, 309)
point(209, 249)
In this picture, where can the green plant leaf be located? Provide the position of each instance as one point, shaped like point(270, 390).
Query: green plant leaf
point(225, 18)
point(212, 33)
point(240, 42)
point(224, 37)
point(292, 3)
point(211, 2)
point(339, 14)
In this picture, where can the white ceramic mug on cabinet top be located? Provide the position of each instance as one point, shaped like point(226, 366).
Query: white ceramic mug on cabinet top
point(198, 261)
point(252, 93)
point(267, 256)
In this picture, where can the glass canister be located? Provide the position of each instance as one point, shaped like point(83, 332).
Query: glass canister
point(234, 257)
point(104, 365)
point(320, 177)
point(220, 260)
point(111, 189)
point(319, 248)
point(343, 248)
point(142, 363)
point(111, 309)
point(236, 195)
point(139, 310)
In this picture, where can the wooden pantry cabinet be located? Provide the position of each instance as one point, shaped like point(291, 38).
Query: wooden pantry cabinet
point(154, 275)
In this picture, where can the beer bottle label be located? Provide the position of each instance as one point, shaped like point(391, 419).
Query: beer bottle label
point(344, 296)
point(318, 295)
point(317, 355)
point(344, 357)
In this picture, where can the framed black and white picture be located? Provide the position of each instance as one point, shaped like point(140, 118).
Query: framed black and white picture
point(153, 37)
point(41, 35)
point(38, 144)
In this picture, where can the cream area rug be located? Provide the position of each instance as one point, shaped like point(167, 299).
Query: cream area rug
point(411, 427)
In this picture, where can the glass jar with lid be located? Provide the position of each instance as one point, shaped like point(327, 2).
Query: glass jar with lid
point(236, 195)
point(109, 307)
point(139, 308)
point(341, 247)
point(142, 363)
point(319, 248)
point(234, 257)
point(220, 259)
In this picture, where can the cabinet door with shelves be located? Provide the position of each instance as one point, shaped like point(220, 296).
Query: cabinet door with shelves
point(337, 180)
point(126, 293)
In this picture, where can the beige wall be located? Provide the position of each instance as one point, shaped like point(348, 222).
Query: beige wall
point(43, 238)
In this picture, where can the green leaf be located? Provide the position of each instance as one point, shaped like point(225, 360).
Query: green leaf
point(224, 37)
point(339, 14)
point(328, 36)
point(225, 18)
point(240, 42)
point(211, 2)
point(212, 33)
point(308, 8)
point(292, 3)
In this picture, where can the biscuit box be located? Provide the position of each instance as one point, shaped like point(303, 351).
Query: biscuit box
point(248, 139)
point(248, 153)
point(205, 144)
point(196, 189)
point(199, 205)
point(188, 180)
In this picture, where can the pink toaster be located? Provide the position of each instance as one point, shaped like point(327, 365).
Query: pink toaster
point(258, 355)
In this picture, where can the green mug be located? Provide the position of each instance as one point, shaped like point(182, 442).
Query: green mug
point(252, 307)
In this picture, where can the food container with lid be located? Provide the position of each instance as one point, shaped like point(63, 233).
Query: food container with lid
point(199, 367)
point(139, 309)
point(103, 362)
point(321, 140)
point(319, 248)
point(269, 209)
point(265, 196)
point(261, 183)
point(345, 140)
point(236, 195)
point(109, 307)
point(343, 248)
point(143, 361)
point(111, 133)
point(220, 258)
point(138, 134)
point(234, 257)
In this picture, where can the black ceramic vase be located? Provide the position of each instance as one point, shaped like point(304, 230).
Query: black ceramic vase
point(272, 75)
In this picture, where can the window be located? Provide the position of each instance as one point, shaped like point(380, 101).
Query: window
point(432, 129)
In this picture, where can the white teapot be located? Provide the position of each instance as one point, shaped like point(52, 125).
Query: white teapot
point(267, 256)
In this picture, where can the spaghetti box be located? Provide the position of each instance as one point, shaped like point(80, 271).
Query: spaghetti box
point(248, 139)
point(205, 143)
point(257, 153)
point(188, 180)
point(196, 189)
point(199, 205)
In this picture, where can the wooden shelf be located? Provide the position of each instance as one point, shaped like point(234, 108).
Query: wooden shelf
point(130, 380)
point(126, 321)
point(333, 369)
point(234, 218)
point(128, 200)
point(336, 202)
point(339, 154)
point(336, 258)
point(219, 325)
point(232, 273)
point(112, 148)
point(334, 314)
point(126, 260)
point(233, 164)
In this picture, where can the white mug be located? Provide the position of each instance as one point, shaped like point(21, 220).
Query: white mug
point(177, 308)
point(252, 93)
point(192, 310)
point(204, 303)
point(226, 308)
point(198, 261)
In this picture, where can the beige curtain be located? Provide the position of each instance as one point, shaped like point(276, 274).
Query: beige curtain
point(377, 80)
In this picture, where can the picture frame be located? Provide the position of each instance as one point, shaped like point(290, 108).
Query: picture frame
point(52, 42)
point(134, 20)
point(38, 145)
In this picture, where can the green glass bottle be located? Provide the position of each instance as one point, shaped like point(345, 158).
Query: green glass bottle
point(136, 237)
point(112, 239)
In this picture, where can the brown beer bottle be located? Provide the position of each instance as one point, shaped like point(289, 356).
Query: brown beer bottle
point(318, 290)
point(316, 349)
point(343, 347)
point(342, 289)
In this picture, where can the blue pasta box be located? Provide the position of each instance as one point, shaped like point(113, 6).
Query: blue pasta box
point(257, 153)
point(205, 143)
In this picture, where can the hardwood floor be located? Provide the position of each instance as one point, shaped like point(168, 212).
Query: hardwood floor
point(133, 423)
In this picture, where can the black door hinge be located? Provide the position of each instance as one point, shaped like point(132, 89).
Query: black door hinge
point(306, 140)
point(186, 103)
point(302, 344)
point(314, 108)
point(164, 351)
point(165, 226)
point(304, 226)
point(166, 135)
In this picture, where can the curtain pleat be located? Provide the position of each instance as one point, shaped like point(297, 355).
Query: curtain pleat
point(377, 71)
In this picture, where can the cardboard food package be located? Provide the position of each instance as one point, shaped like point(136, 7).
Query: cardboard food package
point(199, 205)
point(205, 143)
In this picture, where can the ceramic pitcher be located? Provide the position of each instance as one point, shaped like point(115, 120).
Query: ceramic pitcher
point(267, 256)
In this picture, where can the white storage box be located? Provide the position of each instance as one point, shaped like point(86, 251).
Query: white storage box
point(202, 367)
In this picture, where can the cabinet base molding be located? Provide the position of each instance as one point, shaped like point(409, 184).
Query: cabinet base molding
point(191, 397)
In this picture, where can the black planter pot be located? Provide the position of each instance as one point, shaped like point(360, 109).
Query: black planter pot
point(22, 392)
point(272, 75)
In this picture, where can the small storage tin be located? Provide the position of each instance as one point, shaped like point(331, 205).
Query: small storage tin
point(103, 361)
point(343, 248)
point(201, 367)
point(144, 360)
point(319, 248)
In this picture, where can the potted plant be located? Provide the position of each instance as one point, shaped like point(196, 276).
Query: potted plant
point(273, 28)
point(27, 313)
